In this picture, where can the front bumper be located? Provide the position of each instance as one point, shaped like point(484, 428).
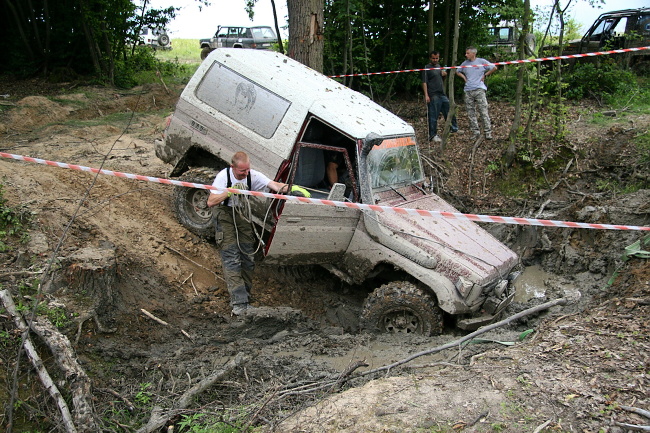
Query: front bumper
point(493, 306)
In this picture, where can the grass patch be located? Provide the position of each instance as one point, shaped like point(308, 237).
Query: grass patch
point(184, 51)
point(118, 119)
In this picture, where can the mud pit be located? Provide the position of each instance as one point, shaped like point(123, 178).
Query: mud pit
point(573, 373)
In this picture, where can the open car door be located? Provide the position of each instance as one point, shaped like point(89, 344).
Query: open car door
point(309, 233)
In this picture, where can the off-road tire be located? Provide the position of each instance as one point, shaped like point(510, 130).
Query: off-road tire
point(401, 308)
point(163, 40)
point(530, 43)
point(205, 51)
point(190, 204)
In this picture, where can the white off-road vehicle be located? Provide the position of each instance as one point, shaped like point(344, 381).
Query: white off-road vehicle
point(287, 117)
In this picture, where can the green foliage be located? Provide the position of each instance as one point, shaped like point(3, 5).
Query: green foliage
point(13, 222)
point(7, 340)
point(502, 86)
point(599, 81)
point(146, 66)
point(143, 397)
point(58, 317)
point(367, 36)
point(193, 424)
point(89, 39)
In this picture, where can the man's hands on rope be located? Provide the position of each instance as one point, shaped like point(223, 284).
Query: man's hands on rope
point(235, 187)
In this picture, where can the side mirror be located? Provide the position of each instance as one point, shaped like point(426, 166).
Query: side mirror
point(337, 193)
point(369, 142)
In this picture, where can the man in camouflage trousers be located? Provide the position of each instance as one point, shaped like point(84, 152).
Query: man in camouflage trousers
point(475, 90)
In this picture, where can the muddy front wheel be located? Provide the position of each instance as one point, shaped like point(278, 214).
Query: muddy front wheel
point(401, 308)
point(190, 204)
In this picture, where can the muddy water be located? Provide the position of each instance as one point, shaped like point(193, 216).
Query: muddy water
point(532, 283)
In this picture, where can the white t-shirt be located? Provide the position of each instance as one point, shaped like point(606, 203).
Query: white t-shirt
point(259, 182)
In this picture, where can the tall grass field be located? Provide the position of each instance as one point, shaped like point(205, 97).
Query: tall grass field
point(184, 51)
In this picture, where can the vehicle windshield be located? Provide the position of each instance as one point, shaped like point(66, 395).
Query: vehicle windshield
point(395, 162)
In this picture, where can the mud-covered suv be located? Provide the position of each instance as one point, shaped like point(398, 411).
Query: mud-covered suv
point(288, 117)
point(256, 37)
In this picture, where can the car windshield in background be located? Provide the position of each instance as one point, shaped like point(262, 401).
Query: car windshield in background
point(395, 162)
point(263, 33)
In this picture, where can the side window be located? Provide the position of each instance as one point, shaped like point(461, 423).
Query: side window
point(504, 34)
point(598, 31)
point(332, 159)
point(222, 32)
point(644, 24)
point(619, 29)
point(242, 100)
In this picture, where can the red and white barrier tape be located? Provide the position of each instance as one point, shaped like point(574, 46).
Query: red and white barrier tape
point(399, 210)
point(510, 62)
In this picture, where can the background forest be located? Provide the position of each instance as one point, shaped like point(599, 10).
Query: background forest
point(97, 39)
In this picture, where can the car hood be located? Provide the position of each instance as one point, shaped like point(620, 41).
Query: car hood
point(459, 247)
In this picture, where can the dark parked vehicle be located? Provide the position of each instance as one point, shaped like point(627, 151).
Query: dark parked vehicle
point(257, 37)
point(628, 28)
point(505, 40)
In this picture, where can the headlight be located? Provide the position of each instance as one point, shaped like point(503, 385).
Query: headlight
point(463, 285)
point(500, 288)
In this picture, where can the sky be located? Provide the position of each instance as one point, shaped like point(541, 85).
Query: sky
point(191, 23)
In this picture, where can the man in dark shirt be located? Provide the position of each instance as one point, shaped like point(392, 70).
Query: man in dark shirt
point(434, 94)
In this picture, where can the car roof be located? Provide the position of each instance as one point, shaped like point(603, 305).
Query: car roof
point(623, 13)
point(246, 27)
point(347, 110)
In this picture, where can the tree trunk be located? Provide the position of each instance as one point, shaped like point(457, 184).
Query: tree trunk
point(511, 151)
point(430, 30)
point(451, 76)
point(92, 273)
point(306, 32)
point(277, 27)
point(448, 43)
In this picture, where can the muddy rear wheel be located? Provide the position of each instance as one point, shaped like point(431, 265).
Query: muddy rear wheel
point(190, 204)
point(401, 308)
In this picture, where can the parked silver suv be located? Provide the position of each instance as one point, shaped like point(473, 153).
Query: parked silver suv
point(288, 118)
point(257, 37)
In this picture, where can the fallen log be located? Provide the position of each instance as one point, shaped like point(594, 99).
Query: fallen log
point(43, 374)
point(76, 377)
